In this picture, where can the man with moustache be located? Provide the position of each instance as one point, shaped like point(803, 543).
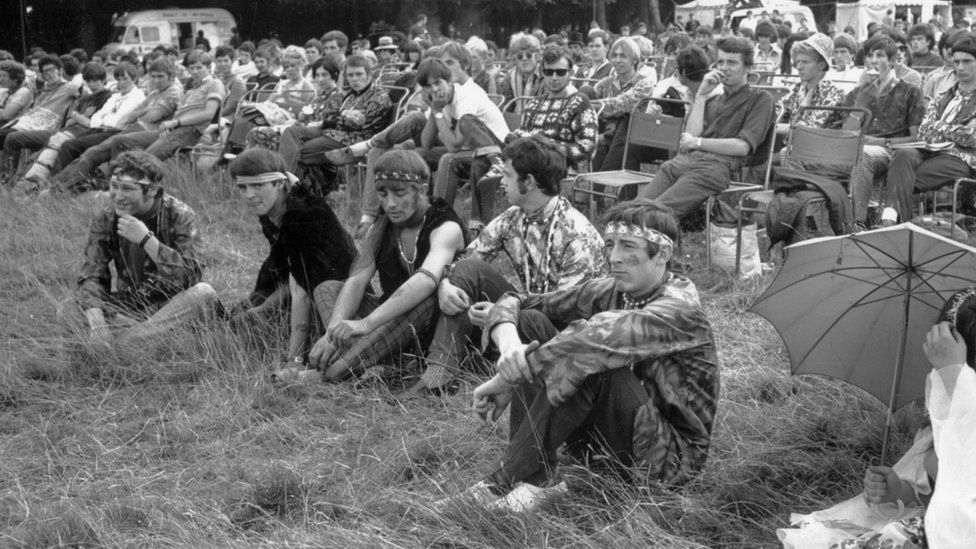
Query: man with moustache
point(630, 384)
point(151, 240)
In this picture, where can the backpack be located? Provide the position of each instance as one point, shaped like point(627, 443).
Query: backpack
point(797, 212)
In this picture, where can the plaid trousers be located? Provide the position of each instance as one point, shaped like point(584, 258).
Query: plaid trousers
point(385, 340)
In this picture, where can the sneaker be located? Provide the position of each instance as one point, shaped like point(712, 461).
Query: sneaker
point(479, 494)
point(528, 497)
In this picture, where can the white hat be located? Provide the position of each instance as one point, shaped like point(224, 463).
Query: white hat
point(385, 43)
point(822, 44)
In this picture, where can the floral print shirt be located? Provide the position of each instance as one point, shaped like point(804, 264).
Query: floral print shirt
point(667, 342)
point(826, 94)
point(555, 248)
point(618, 98)
point(374, 103)
point(570, 121)
point(949, 118)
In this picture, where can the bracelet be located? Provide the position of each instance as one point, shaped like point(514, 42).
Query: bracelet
point(887, 143)
point(699, 144)
point(178, 123)
point(142, 243)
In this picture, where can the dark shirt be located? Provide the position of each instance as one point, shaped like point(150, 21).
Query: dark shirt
point(311, 245)
point(930, 59)
point(89, 104)
point(392, 268)
point(262, 81)
point(893, 113)
point(746, 113)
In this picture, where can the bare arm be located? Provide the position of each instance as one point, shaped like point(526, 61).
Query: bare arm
point(301, 312)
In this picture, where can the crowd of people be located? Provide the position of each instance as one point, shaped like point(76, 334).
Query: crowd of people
point(597, 343)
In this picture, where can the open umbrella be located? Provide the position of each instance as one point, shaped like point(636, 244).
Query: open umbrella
point(857, 307)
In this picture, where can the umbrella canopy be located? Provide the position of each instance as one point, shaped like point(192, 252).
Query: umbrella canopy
point(857, 307)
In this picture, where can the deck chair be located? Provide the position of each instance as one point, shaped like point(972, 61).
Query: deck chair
point(657, 131)
point(835, 150)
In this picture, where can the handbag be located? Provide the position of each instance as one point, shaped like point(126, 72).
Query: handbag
point(38, 119)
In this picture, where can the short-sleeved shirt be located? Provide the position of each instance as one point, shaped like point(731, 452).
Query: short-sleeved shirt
point(470, 98)
point(894, 112)
point(745, 113)
point(163, 102)
point(195, 98)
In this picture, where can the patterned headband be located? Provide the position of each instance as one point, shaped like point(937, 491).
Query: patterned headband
point(621, 228)
point(957, 301)
point(267, 177)
point(403, 177)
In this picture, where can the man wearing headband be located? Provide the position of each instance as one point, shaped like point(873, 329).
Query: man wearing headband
point(152, 241)
point(550, 244)
point(633, 376)
point(409, 246)
point(308, 244)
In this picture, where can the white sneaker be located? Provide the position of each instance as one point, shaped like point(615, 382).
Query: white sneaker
point(480, 494)
point(527, 497)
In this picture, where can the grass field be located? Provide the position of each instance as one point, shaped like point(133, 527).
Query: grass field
point(185, 444)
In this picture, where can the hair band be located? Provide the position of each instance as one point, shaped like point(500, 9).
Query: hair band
point(267, 177)
point(621, 228)
point(957, 302)
point(403, 177)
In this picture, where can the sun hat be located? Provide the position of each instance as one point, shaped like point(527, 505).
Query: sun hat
point(822, 44)
point(385, 43)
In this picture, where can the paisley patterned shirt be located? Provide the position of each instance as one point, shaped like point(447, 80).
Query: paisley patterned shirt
point(570, 121)
point(374, 103)
point(949, 118)
point(826, 93)
point(553, 249)
point(668, 343)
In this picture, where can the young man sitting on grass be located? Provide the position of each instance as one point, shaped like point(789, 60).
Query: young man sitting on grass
point(633, 376)
point(153, 243)
point(308, 245)
point(409, 245)
point(550, 244)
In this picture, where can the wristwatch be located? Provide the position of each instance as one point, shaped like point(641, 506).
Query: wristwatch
point(439, 115)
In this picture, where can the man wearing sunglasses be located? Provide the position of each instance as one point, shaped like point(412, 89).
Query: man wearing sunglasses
point(153, 243)
point(904, 73)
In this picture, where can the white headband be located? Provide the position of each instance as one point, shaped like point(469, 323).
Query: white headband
point(266, 177)
point(621, 228)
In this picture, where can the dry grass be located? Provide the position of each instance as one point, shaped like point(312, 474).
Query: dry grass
point(183, 443)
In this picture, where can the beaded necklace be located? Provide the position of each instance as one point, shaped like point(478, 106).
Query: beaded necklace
point(399, 241)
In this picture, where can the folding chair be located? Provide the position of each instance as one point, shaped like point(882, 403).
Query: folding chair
point(834, 151)
point(512, 111)
point(657, 131)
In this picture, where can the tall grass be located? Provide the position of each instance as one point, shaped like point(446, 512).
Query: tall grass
point(182, 442)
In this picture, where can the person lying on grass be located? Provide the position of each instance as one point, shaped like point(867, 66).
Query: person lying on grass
point(933, 485)
point(152, 240)
point(633, 376)
point(549, 243)
point(308, 245)
point(409, 245)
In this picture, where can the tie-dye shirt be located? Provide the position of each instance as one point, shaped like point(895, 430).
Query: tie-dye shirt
point(668, 343)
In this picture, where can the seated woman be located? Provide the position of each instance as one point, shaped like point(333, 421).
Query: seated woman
point(308, 244)
point(409, 245)
point(932, 485)
point(328, 97)
point(290, 95)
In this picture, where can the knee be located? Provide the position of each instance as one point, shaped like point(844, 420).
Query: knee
point(327, 291)
point(467, 269)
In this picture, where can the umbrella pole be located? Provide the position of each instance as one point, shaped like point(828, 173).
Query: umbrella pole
point(902, 343)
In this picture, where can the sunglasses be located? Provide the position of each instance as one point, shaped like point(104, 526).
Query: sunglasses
point(557, 72)
point(525, 55)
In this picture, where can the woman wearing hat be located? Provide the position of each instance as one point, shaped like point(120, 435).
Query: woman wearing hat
point(811, 61)
point(385, 51)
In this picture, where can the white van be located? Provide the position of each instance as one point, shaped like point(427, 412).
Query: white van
point(794, 13)
point(142, 31)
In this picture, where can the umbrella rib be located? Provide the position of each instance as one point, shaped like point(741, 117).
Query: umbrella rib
point(838, 271)
point(861, 244)
point(958, 253)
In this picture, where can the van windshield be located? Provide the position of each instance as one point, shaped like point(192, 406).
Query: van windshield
point(131, 35)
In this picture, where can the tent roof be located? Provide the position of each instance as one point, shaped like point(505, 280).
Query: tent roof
point(888, 3)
